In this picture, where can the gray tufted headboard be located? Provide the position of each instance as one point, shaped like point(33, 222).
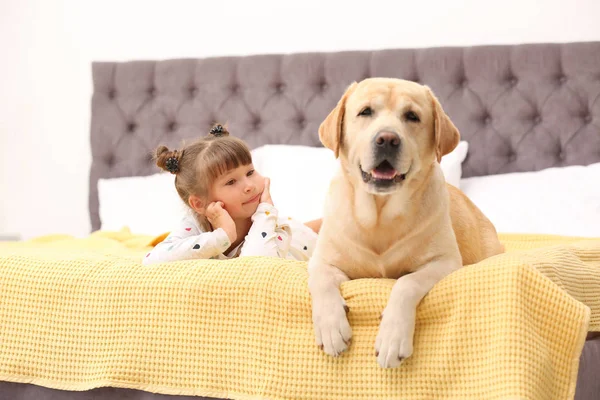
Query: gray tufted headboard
point(521, 107)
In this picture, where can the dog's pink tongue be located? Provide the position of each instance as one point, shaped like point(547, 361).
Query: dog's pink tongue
point(384, 173)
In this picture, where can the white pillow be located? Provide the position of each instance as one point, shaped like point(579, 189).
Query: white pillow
point(300, 175)
point(452, 163)
point(146, 204)
point(561, 201)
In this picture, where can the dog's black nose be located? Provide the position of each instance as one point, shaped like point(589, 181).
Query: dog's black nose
point(387, 140)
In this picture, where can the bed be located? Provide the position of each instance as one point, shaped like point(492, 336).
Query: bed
point(527, 112)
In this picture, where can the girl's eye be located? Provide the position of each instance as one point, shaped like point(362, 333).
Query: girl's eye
point(230, 182)
point(250, 172)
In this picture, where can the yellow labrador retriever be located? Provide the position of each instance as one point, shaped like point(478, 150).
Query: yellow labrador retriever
point(389, 212)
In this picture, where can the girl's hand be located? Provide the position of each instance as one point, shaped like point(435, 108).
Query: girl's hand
point(266, 194)
point(220, 218)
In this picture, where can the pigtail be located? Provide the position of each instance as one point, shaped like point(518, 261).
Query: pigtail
point(168, 160)
point(219, 130)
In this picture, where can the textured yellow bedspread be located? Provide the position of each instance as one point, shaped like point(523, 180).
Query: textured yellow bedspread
point(81, 313)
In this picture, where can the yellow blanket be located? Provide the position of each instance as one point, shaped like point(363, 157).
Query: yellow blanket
point(82, 313)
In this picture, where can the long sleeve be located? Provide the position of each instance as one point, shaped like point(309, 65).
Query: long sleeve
point(266, 236)
point(188, 242)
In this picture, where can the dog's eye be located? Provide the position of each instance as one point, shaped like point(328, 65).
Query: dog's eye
point(366, 112)
point(412, 116)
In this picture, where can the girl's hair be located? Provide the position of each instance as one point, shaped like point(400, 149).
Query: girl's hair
point(200, 163)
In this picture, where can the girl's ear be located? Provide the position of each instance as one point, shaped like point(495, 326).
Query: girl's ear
point(197, 204)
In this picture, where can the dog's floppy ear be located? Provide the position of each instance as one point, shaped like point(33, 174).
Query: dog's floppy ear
point(446, 134)
point(330, 131)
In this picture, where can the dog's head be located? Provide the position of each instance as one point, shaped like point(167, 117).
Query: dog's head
point(387, 132)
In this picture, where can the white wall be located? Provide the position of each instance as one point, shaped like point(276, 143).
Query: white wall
point(47, 46)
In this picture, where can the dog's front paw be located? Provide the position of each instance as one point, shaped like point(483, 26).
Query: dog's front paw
point(394, 341)
point(332, 330)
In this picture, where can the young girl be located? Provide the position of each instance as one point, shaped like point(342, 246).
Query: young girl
point(231, 211)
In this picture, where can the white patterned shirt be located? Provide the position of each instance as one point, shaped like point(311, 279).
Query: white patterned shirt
point(269, 235)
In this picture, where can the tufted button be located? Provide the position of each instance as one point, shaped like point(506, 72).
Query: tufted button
point(235, 88)
point(512, 81)
point(512, 157)
point(324, 86)
point(587, 118)
point(562, 155)
point(537, 119)
point(301, 122)
point(152, 91)
point(173, 126)
point(280, 87)
point(256, 123)
point(486, 118)
point(112, 93)
point(131, 127)
point(110, 160)
point(562, 79)
point(193, 91)
point(464, 83)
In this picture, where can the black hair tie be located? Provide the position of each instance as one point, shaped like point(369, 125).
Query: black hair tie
point(172, 165)
point(217, 130)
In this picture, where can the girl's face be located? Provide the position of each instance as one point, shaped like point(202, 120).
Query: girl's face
point(239, 189)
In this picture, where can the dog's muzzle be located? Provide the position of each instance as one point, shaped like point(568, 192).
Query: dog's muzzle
point(386, 151)
point(384, 174)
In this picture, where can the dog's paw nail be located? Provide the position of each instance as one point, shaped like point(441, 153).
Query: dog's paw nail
point(380, 317)
point(376, 353)
point(348, 342)
point(346, 308)
point(321, 347)
point(400, 358)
